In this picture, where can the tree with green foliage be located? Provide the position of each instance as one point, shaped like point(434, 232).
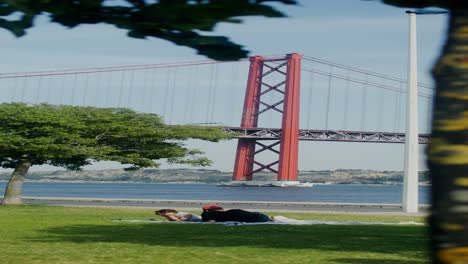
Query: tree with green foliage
point(170, 19)
point(73, 136)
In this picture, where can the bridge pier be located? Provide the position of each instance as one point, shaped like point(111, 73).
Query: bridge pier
point(287, 163)
point(243, 167)
point(289, 146)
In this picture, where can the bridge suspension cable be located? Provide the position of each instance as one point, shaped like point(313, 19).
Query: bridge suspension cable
point(373, 84)
point(194, 91)
point(358, 70)
point(109, 69)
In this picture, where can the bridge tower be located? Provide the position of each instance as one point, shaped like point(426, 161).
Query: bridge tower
point(287, 70)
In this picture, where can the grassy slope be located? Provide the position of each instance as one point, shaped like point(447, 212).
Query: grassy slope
point(39, 234)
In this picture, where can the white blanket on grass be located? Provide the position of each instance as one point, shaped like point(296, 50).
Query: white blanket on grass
point(279, 220)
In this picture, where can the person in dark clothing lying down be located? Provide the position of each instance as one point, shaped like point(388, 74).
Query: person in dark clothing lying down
point(214, 213)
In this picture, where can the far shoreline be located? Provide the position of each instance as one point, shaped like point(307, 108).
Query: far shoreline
point(133, 182)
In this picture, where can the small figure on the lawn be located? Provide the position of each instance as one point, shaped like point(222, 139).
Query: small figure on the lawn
point(176, 216)
point(214, 213)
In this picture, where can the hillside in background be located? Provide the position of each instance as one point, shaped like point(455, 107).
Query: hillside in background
point(341, 176)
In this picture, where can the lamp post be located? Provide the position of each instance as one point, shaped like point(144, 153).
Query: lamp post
point(410, 180)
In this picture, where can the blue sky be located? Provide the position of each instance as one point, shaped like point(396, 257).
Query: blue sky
point(363, 34)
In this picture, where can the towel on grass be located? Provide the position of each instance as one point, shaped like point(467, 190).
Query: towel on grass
point(279, 220)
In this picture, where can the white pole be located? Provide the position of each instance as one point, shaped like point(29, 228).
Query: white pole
point(410, 181)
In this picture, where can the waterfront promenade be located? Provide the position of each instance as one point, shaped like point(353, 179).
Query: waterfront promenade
point(357, 208)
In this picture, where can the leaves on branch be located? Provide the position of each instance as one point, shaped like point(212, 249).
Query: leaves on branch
point(178, 21)
point(447, 4)
point(73, 136)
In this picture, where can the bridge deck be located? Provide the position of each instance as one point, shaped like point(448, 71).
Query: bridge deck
point(326, 135)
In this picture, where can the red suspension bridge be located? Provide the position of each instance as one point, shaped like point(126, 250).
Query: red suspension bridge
point(337, 102)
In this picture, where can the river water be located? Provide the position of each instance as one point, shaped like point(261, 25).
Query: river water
point(335, 193)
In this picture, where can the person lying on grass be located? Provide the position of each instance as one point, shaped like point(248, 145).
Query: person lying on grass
point(174, 215)
point(214, 213)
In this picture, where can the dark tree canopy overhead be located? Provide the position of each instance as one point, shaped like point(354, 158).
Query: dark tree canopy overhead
point(447, 4)
point(178, 21)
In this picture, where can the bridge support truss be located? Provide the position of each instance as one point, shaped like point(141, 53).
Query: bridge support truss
point(288, 70)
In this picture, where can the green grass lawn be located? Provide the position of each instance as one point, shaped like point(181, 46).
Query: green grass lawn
point(41, 234)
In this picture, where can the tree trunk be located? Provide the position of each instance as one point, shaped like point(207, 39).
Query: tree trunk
point(14, 188)
point(448, 150)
